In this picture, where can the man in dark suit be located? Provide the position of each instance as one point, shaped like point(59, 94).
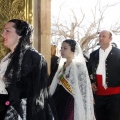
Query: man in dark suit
point(104, 70)
point(54, 62)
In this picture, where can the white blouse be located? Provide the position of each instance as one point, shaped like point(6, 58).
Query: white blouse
point(3, 66)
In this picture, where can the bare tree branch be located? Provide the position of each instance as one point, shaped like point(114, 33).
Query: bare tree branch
point(85, 34)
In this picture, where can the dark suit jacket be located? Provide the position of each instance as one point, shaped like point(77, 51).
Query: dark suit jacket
point(112, 66)
point(53, 67)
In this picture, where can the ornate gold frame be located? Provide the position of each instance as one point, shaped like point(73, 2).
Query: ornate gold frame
point(20, 9)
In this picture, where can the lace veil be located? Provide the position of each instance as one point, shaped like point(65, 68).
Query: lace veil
point(83, 105)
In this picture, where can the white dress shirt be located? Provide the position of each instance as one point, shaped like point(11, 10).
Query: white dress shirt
point(101, 69)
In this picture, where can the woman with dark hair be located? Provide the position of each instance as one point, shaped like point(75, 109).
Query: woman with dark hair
point(71, 88)
point(23, 77)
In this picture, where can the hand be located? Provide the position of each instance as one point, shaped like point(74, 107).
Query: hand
point(94, 87)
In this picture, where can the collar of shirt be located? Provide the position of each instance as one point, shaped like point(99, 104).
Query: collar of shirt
point(105, 52)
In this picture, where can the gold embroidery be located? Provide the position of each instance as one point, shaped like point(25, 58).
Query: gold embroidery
point(65, 83)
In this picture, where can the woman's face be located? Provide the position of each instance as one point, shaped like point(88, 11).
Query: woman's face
point(66, 51)
point(10, 37)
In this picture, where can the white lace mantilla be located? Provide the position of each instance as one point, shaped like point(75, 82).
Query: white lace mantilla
point(78, 79)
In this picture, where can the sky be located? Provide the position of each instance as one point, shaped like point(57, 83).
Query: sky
point(111, 15)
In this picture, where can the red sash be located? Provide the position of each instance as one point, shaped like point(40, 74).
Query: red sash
point(108, 91)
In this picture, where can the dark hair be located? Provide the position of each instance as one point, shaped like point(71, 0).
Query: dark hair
point(114, 44)
point(23, 29)
point(72, 44)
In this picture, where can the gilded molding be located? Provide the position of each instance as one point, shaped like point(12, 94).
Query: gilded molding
point(9, 9)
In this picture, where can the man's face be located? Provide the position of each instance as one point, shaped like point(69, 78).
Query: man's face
point(104, 38)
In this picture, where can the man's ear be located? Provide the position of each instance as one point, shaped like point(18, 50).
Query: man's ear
point(111, 39)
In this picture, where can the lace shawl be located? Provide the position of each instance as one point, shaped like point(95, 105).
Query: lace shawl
point(80, 83)
point(13, 71)
point(77, 77)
